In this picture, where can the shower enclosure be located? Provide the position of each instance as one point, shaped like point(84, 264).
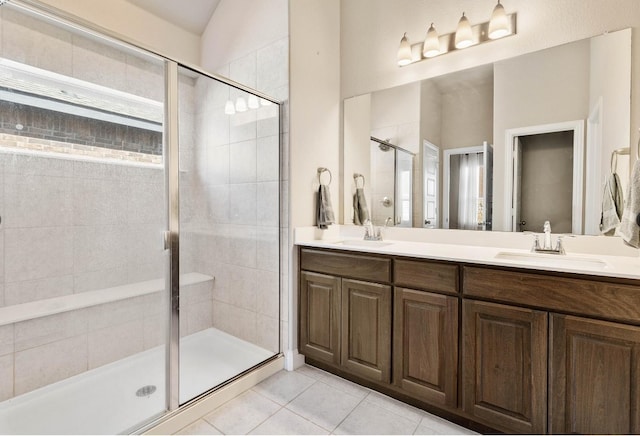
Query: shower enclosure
point(139, 229)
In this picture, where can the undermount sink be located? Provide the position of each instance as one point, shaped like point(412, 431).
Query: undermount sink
point(363, 243)
point(553, 260)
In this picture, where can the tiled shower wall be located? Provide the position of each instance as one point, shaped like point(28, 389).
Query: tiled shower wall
point(234, 231)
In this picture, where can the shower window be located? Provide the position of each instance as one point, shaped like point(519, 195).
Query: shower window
point(49, 112)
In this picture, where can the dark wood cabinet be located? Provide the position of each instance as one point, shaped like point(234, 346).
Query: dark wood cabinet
point(425, 345)
point(320, 316)
point(531, 351)
point(595, 376)
point(505, 366)
point(366, 329)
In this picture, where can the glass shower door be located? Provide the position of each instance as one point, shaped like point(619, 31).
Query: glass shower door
point(229, 231)
point(83, 307)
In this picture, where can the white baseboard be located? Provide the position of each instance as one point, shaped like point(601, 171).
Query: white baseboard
point(293, 360)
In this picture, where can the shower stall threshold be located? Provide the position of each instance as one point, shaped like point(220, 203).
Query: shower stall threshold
point(123, 395)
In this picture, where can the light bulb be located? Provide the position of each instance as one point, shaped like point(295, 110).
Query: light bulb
point(431, 46)
point(499, 24)
point(404, 51)
point(253, 102)
point(229, 108)
point(464, 37)
point(241, 105)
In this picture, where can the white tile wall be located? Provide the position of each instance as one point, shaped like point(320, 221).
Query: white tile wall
point(242, 162)
point(98, 63)
point(242, 204)
point(37, 201)
point(38, 252)
point(115, 342)
point(6, 377)
point(32, 290)
point(48, 48)
point(49, 363)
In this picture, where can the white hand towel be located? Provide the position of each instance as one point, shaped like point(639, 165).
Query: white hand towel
point(612, 204)
point(629, 228)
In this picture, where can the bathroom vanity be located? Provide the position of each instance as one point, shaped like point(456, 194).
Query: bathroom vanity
point(493, 343)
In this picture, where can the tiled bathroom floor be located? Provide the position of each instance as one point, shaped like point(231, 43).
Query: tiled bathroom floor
point(311, 401)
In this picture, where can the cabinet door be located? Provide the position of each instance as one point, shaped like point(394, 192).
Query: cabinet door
point(425, 345)
point(505, 366)
point(595, 376)
point(320, 317)
point(366, 329)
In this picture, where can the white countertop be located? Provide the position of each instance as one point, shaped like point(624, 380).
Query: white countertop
point(592, 255)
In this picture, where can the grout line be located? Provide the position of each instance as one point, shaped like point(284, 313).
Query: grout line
point(350, 413)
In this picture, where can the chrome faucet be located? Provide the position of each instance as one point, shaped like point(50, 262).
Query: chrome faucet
point(546, 243)
point(371, 233)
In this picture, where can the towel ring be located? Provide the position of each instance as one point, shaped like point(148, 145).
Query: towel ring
point(322, 170)
point(357, 176)
point(614, 157)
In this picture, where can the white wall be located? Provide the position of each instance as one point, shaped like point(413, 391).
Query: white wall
point(239, 27)
point(522, 100)
point(357, 155)
point(137, 25)
point(314, 31)
point(315, 103)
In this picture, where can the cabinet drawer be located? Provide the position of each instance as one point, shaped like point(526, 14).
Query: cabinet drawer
point(430, 276)
point(613, 301)
point(370, 268)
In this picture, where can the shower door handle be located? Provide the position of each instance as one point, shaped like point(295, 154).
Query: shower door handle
point(166, 239)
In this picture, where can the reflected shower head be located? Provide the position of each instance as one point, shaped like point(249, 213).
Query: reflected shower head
point(384, 147)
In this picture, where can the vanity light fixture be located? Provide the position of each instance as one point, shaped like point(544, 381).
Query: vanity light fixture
point(466, 35)
point(431, 46)
point(404, 52)
point(253, 102)
point(241, 104)
point(499, 23)
point(229, 108)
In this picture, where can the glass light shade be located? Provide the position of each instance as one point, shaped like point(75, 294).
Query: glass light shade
point(464, 37)
point(404, 51)
point(499, 24)
point(431, 46)
point(229, 108)
point(253, 102)
point(241, 105)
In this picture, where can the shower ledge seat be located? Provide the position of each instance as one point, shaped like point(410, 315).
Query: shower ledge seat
point(51, 306)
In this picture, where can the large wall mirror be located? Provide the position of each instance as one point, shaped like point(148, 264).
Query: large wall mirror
point(503, 146)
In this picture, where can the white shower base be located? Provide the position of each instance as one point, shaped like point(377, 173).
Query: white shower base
point(104, 401)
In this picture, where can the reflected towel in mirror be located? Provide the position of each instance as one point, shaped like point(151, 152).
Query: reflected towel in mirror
point(360, 210)
point(612, 205)
point(629, 228)
point(324, 212)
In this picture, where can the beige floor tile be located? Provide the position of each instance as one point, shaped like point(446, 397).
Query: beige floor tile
point(284, 386)
point(398, 407)
point(369, 418)
point(324, 405)
point(287, 422)
point(199, 427)
point(433, 425)
point(243, 413)
point(335, 381)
